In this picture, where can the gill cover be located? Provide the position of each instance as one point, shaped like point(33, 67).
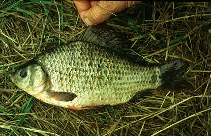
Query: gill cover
point(30, 77)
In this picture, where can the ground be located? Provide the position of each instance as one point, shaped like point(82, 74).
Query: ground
point(160, 32)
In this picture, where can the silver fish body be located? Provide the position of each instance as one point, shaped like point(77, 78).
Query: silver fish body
point(96, 76)
point(83, 75)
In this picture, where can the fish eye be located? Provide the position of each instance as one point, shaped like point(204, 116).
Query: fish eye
point(23, 73)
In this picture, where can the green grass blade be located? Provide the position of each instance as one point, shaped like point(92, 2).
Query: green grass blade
point(10, 7)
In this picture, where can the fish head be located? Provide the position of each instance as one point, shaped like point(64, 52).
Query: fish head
point(30, 78)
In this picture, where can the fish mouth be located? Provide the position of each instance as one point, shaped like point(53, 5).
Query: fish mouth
point(11, 78)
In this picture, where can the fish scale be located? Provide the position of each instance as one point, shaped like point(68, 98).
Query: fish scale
point(94, 71)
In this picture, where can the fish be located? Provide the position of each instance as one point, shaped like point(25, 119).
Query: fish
point(94, 71)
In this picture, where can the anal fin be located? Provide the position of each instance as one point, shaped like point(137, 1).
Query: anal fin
point(93, 107)
point(141, 94)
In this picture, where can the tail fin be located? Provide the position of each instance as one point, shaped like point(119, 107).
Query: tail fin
point(171, 75)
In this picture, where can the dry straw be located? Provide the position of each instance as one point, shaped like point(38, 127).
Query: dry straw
point(160, 32)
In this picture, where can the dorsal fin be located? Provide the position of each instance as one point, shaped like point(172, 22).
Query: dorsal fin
point(104, 35)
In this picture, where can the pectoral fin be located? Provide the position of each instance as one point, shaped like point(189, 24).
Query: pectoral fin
point(62, 96)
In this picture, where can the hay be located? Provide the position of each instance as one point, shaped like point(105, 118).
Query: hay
point(160, 31)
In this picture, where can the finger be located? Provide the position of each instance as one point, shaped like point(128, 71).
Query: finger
point(102, 11)
point(93, 3)
point(82, 5)
point(113, 6)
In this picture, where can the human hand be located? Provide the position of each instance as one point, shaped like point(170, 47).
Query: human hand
point(95, 12)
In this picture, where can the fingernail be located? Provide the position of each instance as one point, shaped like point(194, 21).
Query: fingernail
point(87, 21)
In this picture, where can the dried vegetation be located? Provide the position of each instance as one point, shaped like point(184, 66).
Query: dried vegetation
point(160, 32)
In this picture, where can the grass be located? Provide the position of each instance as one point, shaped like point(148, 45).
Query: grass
point(160, 32)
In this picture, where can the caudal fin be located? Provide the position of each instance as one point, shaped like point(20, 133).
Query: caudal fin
point(172, 75)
